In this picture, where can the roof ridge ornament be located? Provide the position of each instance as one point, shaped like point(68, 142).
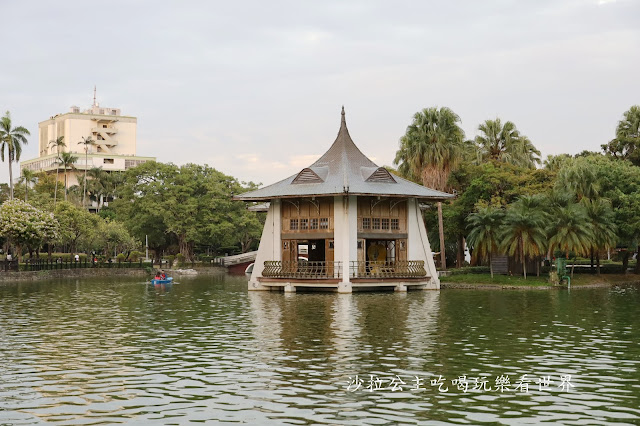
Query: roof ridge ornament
point(343, 121)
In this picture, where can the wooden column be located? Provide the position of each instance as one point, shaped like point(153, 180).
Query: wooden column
point(443, 259)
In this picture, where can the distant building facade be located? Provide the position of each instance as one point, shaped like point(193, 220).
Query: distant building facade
point(113, 133)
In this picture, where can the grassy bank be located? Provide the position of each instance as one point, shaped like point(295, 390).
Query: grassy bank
point(533, 281)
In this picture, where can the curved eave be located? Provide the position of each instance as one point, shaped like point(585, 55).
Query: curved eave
point(436, 197)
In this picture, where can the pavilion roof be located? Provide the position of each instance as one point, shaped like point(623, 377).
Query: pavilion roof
point(343, 169)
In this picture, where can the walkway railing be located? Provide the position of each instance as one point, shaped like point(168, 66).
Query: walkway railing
point(395, 269)
point(30, 265)
point(302, 269)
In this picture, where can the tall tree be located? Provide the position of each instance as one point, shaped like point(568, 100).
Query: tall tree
point(485, 232)
point(57, 143)
point(523, 232)
point(626, 144)
point(601, 216)
point(28, 178)
point(504, 143)
point(67, 161)
point(579, 177)
point(86, 142)
point(11, 138)
point(96, 184)
point(571, 231)
point(431, 148)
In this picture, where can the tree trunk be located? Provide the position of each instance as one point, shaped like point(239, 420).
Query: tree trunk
point(573, 265)
point(460, 251)
point(522, 259)
point(591, 252)
point(55, 193)
point(637, 268)
point(443, 258)
point(185, 248)
point(84, 192)
point(65, 184)
point(538, 260)
point(625, 262)
point(10, 176)
point(490, 266)
point(598, 263)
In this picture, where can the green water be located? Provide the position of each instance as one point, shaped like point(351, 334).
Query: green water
point(97, 351)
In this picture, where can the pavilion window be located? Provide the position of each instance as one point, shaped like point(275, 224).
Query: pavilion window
point(366, 222)
point(313, 224)
point(324, 223)
point(385, 223)
point(395, 224)
point(304, 223)
point(376, 223)
point(293, 224)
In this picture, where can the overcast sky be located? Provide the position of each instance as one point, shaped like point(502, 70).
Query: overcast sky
point(254, 88)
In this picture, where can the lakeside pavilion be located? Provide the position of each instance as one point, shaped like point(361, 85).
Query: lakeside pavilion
point(344, 224)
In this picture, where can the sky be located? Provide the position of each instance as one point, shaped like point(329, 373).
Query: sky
point(254, 88)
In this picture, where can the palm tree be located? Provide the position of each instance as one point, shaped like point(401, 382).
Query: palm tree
point(627, 141)
point(67, 161)
point(523, 232)
point(485, 230)
point(580, 177)
point(571, 231)
point(505, 143)
point(12, 138)
point(555, 163)
point(96, 185)
point(601, 216)
point(431, 147)
point(57, 143)
point(86, 142)
point(28, 177)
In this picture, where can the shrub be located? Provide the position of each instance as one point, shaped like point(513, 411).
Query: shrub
point(135, 256)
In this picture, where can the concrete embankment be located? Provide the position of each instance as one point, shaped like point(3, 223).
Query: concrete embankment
point(9, 277)
point(472, 286)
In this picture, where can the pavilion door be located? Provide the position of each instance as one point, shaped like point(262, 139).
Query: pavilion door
point(329, 256)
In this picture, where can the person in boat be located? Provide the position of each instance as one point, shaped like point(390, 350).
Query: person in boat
point(163, 275)
point(158, 276)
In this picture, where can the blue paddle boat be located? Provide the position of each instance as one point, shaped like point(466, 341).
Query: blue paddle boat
point(167, 280)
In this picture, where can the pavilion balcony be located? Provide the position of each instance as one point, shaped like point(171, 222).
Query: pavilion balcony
point(302, 270)
point(384, 270)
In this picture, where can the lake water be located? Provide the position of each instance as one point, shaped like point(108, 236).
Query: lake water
point(108, 351)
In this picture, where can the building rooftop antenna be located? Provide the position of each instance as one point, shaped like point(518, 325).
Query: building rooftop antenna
point(94, 96)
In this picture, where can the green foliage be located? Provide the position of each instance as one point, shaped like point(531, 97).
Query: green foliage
point(486, 231)
point(135, 255)
point(432, 146)
point(11, 138)
point(190, 204)
point(523, 231)
point(626, 144)
point(26, 226)
point(504, 143)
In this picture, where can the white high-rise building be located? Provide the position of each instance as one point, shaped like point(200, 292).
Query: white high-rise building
point(114, 135)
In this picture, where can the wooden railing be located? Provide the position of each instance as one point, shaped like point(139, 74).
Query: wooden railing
point(395, 269)
point(302, 269)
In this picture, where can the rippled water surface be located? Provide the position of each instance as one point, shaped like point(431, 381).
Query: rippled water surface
point(114, 351)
